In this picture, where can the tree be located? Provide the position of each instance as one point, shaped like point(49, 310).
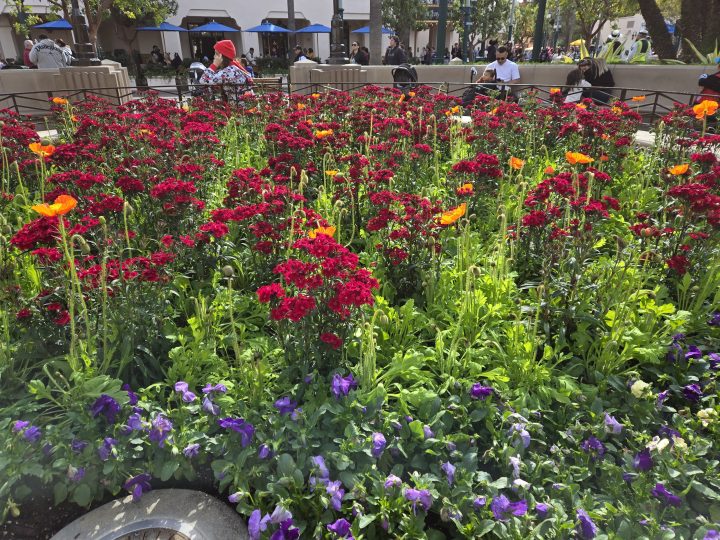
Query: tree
point(700, 24)
point(404, 16)
point(525, 15)
point(655, 23)
point(487, 18)
point(96, 11)
point(591, 15)
point(376, 32)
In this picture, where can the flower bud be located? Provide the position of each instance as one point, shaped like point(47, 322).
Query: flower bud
point(127, 209)
point(228, 271)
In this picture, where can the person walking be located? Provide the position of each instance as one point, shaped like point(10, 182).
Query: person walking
point(640, 50)
point(394, 56)
point(47, 54)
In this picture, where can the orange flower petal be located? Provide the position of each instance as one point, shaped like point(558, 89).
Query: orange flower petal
point(516, 163)
point(678, 170)
point(451, 216)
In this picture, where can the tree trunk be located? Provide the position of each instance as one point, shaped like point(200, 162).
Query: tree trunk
point(693, 17)
point(376, 50)
point(655, 22)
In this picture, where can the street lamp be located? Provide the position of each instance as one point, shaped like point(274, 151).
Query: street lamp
point(338, 53)
point(511, 22)
point(84, 50)
point(466, 29)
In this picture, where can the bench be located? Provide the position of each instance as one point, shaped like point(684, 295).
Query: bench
point(267, 84)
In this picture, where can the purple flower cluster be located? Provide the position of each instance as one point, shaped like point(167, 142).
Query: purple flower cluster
point(258, 524)
point(341, 528)
point(285, 405)
point(107, 406)
point(420, 497)
point(594, 447)
point(160, 430)
point(502, 508)
point(30, 433)
point(239, 425)
point(341, 386)
point(478, 391)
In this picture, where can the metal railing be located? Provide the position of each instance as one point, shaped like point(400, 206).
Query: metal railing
point(653, 105)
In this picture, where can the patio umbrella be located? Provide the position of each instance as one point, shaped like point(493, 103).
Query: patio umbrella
point(60, 24)
point(162, 27)
point(213, 27)
point(366, 30)
point(577, 42)
point(270, 28)
point(314, 29)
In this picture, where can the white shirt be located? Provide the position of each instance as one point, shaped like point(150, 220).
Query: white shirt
point(507, 71)
point(575, 93)
point(46, 54)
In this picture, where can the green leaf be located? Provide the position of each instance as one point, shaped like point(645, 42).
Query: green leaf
point(706, 491)
point(286, 465)
point(82, 495)
point(366, 520)
point(60, 492)
point(168, 469)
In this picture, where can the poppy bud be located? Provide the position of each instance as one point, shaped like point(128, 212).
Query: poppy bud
point(128, 209)
point(20, 199)
point(102, 220)
point(228, 271)
point(383, 319)
point(476, 272)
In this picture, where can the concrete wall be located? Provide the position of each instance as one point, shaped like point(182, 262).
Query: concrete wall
point(38, 86)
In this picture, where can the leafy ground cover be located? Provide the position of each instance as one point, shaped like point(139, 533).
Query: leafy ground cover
point(366, 316)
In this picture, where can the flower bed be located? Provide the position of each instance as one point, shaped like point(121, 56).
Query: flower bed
point(367, 318)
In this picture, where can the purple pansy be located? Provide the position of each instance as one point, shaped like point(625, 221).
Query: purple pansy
point(612, 425)
point(693, 352)
point(594, 447)
point(107, 406)
point(191, 450)
point(341, 386)
point(692, 392)
point(661, 492)
point(336, 492)
point(285, 405)
point(77, 446)
point(662, 397)
point(210, 407)
point(714, 360)
point(75, 474)
point(712, 534)
point(234, 498)
point(341, 528)
point(378, 444)
point(419, 496)
point(19, 425)
point(502, 508)
point(257, 524)
point(427, 432)
point(542, 509)
point(714, 319)
point(134, 423)
point(519, 430)
point(214, 388)
point(449, 470)
point(187, 395)
point(32, 434)
point(515, 462)
point(479, 502)
point(392, 481)
point(478, 391)
point(586, 528)
point(239, 425)
point(160, 429)
point(643, 460)
point(132, 396)
point(264, 451)
point(137, 485)
point(106, 448)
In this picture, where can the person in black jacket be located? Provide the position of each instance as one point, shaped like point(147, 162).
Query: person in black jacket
point(363, 56)
point(710, 85)
point(597, 73)
point(394, 56)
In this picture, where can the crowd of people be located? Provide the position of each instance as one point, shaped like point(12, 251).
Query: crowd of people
point(41, 53)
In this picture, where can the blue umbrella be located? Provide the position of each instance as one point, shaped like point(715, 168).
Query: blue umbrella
point(60, 24)
point(268, 27)
point(314, 29)
point(163, 27)
point(366, 30)
point(214, 27)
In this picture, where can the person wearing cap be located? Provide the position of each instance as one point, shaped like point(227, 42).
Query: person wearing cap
point(225, 70)
point(710, 85)
point(640, 50)
point(613, 45)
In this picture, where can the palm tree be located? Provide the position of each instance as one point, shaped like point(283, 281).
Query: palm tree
point(375, 31)
point(291, 23)
point(655, 22)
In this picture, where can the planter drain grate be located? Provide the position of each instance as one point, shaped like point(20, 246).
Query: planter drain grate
point(154, 534)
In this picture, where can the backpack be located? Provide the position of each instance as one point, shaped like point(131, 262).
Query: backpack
point(405, 77)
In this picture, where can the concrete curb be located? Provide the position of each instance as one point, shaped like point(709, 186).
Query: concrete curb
point(194, 514)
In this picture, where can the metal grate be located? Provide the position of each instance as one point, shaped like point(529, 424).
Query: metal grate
point(154, 534)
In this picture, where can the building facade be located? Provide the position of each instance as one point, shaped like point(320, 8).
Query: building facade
point(113, 38)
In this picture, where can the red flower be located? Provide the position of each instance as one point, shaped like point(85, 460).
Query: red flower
point(267, 292)
point(678, 263)
point(536, 218)
point(23, 314)
point(293, 308)
point(331, 339)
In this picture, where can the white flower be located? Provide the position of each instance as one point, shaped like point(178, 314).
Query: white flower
point(639, 388)
point(680, 445)
point(706, 416)
point(657, 444)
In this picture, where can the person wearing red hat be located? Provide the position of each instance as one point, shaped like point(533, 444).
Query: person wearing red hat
point(226, 72)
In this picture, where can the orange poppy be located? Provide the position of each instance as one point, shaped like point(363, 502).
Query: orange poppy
point(315, 96)
point(451, 216)
point(329, 231)
point(605, 137)
point(40, 150)
point(577, 157)
point(411, 94)
point(705, 108)
point(62, 205)
point(322, 133)
point(678, 170)
point(465, 189)
point(516, 163)
point(638, 98)
point(555, 91)
point(301, 106)
point(331, 173)
point(402, 98)
point(549, 170)
point(617, 110)
point(604, 157)
point(581, 106)
point(74, 118)
point(59, 101)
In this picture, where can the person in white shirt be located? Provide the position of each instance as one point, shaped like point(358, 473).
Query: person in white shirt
point(47, 54)
point(575, 85)
point(506, 71)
